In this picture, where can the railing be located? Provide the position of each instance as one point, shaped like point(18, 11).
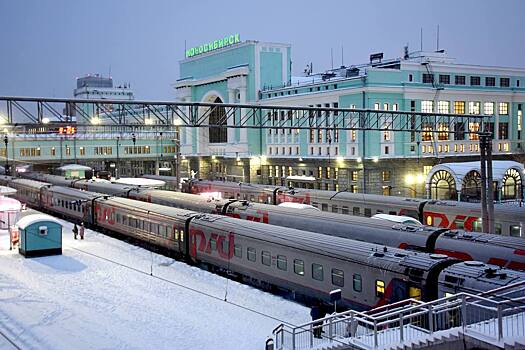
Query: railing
point(492, 317)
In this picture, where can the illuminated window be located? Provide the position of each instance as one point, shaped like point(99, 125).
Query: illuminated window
point(474, 107)
point(426, 135)
point(298, 267)
point(312, 137)
point(320, 172)
point(424, 149)
point(444, 107)
point(395, 107)
point(473, 128)
point(385, 106)
point(82, 151)
point(520, 116)
point(270, 170)
point(354, 175)
point(376, 106)
point(336, 173)
point(68, 150)
point(385, 175)
point(447, 148)
point(328, 170)
point(380, 288)
point(459, 107)
point(319, 136)
point(503, 108)
point(488, 108)
point(427, 106)
point(443, 131)
point(353, 137)
point(427, 169)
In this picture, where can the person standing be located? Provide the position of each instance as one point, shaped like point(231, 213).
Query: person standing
point(81, 231)
point(317, 313)
point(75, 231)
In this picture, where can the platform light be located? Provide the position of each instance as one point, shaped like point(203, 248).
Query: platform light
point(375, 159)
point(45, 120)
point(148, 121)
point(410, 179)
point(340, 159)
point(177, 122)
point(300, 159)
point(213, 157)
point(359, 159)
point(95, 120)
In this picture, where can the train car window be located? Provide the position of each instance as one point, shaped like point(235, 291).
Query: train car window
point(317, 272)
point(324, 207)
point(515, 231)
point(460, 223)
point(497, 229)
point(250, 253)
point(345, 210)
point(380, 288)
point(252, 198)
point(266, 258)
point(414, 293)
point(335, 209)
point(338, 278)
point(181, 235)
point(118, 218)
point(315, 204)
point(368, 212)
point(476, 226)
point(213, 244)
point(237, 250)
point(392, 213)
point(379, 211)
point(298, 267)
point(281, 262)
point(356, 211)
point(357, 283)
point(176, 234)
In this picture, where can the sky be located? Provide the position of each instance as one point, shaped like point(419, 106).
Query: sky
point(46, 45)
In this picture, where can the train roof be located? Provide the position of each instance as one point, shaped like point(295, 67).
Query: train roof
point(386, 258)
point(30, 183)
point(515, 243)
point(78, 194)
point(132, 204)
point(484, 273)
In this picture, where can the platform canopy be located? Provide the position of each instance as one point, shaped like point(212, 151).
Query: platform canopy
point(74, 167)
point(456, 180)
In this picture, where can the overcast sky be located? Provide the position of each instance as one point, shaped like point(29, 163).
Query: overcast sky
point(45, 45)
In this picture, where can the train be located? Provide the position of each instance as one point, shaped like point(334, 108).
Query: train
point(509, 220)
point(498, 250)
point(304, 265)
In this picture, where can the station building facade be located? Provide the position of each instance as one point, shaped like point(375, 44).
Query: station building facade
point(380, 162)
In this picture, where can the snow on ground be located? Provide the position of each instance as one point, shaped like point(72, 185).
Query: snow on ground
point(100, 295)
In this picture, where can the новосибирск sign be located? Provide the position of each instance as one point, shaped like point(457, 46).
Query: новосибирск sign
point(213, 45)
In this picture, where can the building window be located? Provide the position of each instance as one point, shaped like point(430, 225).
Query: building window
point(385, 175)
point(504, 82)
point(503, 131)
point(338, 278)
point(82, 151)
point(376, 106)
point(354, 175)
point(443, 130)
point(427, 106)
point(474, 107)
point(460, 80)
point(490, 81)
point(410, 77)
point(426, 135)
point(428, 78)
point(395, 107)
point(475, 81)
point(488, 108)
point(444, 106)
point(474, 129)
point(353, 135)
point(503, 108)
point(444, 79)
point(459, 107)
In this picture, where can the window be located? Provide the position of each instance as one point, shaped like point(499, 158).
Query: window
point(356, 211)
point(475, 81)
point(459, 107)
point(368, 212)
point(338, 278)
point(427, 106)
point(237, 250)
point(410, 77)
point(428, 78)
point(443, 131)
point(444, 79)
point(298, 267)
point(474, 107)
point(490, 81)
point(444, 107)
point(503, 131)
point(504, 82)
point(488, 108)
point(281, 262)
point(385, 175)
point(460, 80)
point(335, 208)
point(251, 254)
point(515, 231)
point(317, 272)
point(380, 288)
point(266, 258)
point(376, 106)
point(324, 207)
point(474, 129)
point(357, 283)
point(503, 108)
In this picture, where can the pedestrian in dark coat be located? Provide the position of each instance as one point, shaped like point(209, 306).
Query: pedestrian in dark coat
point(317, 313)
point(75, 231)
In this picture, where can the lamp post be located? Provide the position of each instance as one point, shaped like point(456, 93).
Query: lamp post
point(117, 169)
point(134, 140)
point(6, 141)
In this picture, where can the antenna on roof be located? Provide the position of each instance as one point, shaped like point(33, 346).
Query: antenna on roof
point(109, 71)
point(332, 57)
point(421, 38)
point(437, 39)
point(342, 56)
point(406, 55)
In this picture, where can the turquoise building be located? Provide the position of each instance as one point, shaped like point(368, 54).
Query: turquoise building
point(381, 162)
point(40, 235)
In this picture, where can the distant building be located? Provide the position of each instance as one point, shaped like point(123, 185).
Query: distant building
point(380, 162)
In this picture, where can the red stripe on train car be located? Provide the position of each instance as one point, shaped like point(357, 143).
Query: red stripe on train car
point(454, 254)
point(519, 252)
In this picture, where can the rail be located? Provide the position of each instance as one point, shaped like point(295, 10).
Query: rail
point(493, 317)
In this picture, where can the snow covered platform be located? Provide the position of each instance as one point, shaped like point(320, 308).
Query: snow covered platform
point(100, 294)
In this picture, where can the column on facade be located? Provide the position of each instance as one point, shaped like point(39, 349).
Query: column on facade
point(231, 131)
point(242, 100)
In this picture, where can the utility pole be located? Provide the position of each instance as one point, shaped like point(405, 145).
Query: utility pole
point(487, 189)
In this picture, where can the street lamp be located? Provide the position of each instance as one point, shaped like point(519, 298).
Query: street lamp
point(117, 169)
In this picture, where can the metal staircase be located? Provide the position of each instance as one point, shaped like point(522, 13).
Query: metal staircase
point(492, 320)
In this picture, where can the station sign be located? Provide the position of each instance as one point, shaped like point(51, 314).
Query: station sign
point(213, 45)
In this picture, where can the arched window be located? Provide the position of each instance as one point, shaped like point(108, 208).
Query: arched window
point(471, 187)
point(218, 132)
point(443, 186)
point(511, 185)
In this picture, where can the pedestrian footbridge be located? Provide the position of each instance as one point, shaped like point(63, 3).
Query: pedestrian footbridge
point(491, 320)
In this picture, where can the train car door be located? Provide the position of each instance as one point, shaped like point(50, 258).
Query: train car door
point(399, 290)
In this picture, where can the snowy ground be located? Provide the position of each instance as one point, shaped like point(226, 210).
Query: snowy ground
point(99, 295)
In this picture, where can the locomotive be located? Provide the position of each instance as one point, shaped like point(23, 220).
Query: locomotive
point(297, 263)
point(498, 250)
point(509, 220)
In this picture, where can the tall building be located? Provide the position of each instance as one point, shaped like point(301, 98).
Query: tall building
point(380, 162)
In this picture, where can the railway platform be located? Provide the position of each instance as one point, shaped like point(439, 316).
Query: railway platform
point(491, 320)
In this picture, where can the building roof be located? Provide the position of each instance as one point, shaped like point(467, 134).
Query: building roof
point(28, 220)
point(459, 170)
point(9, 204)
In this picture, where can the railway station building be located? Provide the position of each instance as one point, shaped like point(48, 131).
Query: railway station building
point(392, 163)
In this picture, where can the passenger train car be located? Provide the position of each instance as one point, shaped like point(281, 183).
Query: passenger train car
point(306, 265)
point(494, 249)
point(509, 220)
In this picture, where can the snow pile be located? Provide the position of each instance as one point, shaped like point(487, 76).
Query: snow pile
point(100, 294)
